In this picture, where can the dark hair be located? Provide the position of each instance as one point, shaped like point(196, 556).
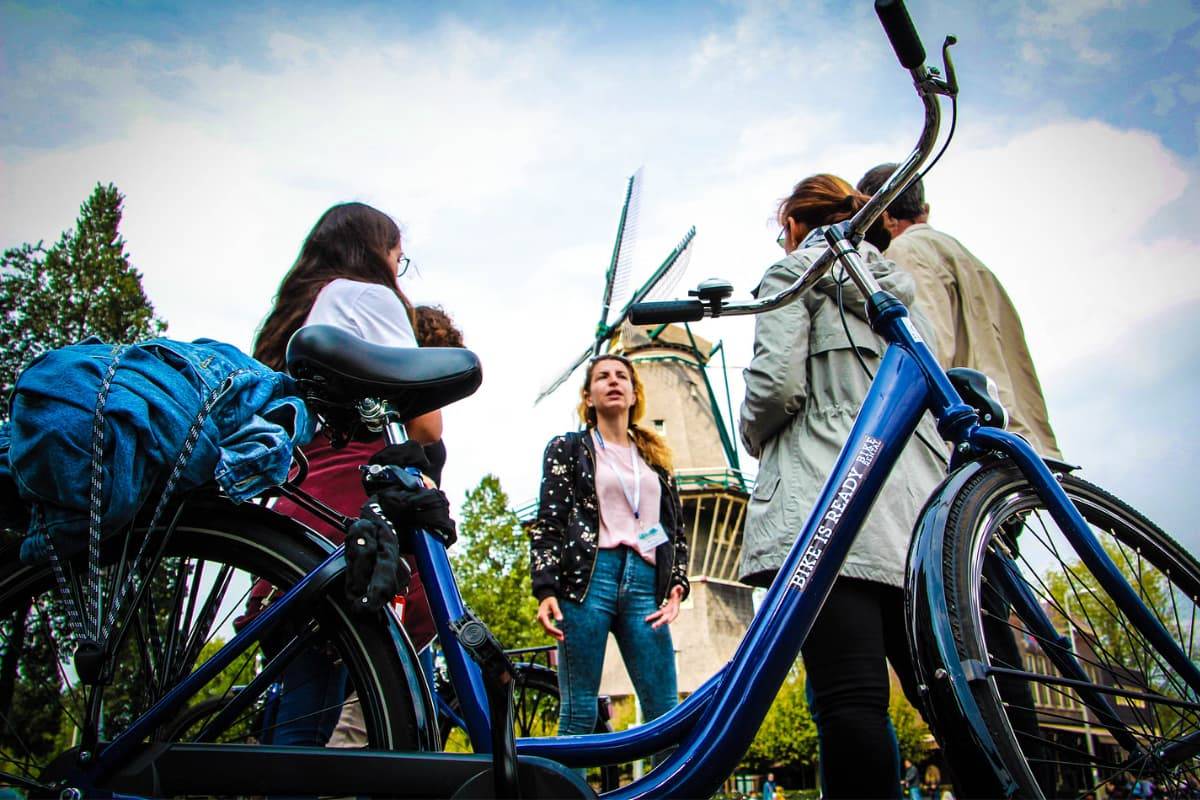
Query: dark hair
point(350, 240)
point(908, 205)
point(820, 200)
point(434, 328)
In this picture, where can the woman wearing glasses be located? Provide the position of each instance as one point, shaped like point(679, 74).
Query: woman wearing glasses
point(804, 387)
point(345, 276)
point(608, 551)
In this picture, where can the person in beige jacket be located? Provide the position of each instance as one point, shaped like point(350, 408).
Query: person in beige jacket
point(804, 388)
point(975, 323)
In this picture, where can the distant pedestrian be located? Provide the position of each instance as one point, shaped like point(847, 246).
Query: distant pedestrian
point(933, 782)
point(769, 787)
point(911, 781)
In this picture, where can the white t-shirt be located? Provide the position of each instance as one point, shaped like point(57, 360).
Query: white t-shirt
point(370, 311)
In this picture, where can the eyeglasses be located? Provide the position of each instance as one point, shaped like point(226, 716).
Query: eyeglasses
point(402, 265)
point(782, 239)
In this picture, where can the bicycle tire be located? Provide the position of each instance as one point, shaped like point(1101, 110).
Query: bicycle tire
point(237, 544)
point(1050, 738)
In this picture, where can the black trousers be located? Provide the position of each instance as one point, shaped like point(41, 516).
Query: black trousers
point(859, 630)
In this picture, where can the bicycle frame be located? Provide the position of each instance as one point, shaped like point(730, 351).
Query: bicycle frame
point(723, 716)
point(714, 726)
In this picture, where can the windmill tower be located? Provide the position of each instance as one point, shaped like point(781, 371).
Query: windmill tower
point(683, 407)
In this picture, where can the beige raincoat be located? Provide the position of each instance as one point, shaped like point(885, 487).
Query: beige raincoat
point(975, 325)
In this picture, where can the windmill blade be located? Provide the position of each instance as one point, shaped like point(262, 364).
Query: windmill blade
point(660, 284)
point(664, 279)
point(562, 377)
point(665, 285)
point(670, 271)
point(616, 280)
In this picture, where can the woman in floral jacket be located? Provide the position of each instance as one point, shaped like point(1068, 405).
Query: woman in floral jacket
point(608, 551)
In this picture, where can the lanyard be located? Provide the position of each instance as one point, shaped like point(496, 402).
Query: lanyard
point(635, 498)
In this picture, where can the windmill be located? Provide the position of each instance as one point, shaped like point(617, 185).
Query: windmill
point(616, 281)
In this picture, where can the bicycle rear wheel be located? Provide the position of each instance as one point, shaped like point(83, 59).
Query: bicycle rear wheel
point(197, 589)
point(1073, 696)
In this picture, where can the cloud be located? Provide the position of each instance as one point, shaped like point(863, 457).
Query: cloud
point(1067, 214)
point(503, 151)
point(1134, 394)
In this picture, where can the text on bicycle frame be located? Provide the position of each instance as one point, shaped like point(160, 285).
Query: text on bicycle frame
point(832, 517)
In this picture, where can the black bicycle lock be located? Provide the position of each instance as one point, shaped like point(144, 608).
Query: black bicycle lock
point(498, 672)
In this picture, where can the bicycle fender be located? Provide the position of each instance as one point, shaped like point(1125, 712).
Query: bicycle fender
point(948, 703)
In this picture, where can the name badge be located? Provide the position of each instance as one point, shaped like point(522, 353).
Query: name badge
point(651, 538)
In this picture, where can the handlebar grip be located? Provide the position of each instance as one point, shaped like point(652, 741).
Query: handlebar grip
point(901, 33)
point(666, 311)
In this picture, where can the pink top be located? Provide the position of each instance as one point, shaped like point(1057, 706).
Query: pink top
point(617, 524)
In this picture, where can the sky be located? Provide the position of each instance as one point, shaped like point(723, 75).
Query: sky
point(500, 136)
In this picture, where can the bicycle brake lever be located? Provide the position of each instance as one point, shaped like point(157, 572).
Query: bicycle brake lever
point(951, 81)
point(376, 477)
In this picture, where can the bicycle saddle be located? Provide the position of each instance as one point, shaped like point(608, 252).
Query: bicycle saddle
point(337, 368)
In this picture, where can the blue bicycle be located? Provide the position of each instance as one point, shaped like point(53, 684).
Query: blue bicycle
point(1053, 627)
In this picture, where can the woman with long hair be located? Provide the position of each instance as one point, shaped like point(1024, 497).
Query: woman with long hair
point(804, 387)
point(346, 276)
point(607, 551)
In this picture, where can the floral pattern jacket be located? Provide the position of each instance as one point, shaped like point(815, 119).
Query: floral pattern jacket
point(564, 538)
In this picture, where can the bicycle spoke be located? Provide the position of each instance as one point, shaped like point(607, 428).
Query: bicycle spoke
point(173, 621)
point(202, 632)
point(1093, 642)
point(1145, 596)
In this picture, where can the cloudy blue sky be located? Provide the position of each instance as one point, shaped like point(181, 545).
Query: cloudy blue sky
point(500, 135)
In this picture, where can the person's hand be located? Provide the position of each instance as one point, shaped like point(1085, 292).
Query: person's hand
point(669, 611)
point(548, 614)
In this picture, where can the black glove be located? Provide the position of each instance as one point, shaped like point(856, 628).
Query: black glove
point(374, 571)
point(412, 509)
point(409, 454)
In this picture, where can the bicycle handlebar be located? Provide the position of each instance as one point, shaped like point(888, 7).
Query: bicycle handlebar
point(929, 85)
point(901, 33)
point(666, 311)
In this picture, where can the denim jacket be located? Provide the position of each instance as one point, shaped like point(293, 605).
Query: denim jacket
point(245, 443)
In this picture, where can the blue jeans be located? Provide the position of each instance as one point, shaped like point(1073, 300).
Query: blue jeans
point(619, 598)
point(309, 702)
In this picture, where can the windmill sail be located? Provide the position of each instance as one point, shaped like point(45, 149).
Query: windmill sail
point(660, 284)
point(616, 280)
point(663, 280)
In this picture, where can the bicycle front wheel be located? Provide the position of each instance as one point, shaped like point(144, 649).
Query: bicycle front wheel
point(1073, 696)
point(200, 586)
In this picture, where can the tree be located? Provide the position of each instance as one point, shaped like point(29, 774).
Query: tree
point(81, 286)
point(1108, 642)
point(491, 564)
point(788, 735)
point(912, 734)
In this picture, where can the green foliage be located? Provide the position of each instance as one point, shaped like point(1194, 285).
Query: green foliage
point(491, 563)
point(80, 286)
point(1076, 591)
point(788, 734)
point(1110, 636)
point(911, 731)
